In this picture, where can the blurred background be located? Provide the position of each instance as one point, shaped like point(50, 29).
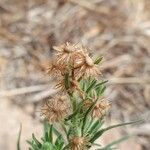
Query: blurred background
point(118, 30)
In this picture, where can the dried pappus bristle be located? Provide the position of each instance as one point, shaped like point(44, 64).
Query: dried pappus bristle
point(79, 143)
point(56, 70)
point(56, 108)
point(67, 48)
point(100, 109)
point(69, 54)
point(61, 84)
point(88, 68)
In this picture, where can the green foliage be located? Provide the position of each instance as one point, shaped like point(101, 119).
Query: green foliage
point(76, 114)
point(51, 140)
point(79, 123)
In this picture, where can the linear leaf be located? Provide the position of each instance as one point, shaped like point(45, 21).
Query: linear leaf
point(51, 133)
point(91, 86)
point(98, 60)
point(36, 141)
point(122, 124)
point(19, 136)
point(101, 83)
point(99, 133)
point(86, 115)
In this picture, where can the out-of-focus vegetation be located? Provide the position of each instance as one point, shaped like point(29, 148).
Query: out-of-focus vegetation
point(119, 30)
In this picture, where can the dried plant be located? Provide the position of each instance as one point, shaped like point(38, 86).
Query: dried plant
point(76, 114)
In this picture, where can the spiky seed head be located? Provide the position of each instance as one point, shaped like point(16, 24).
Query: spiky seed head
point(79, 143)
point(100, 109)
point(56, 108)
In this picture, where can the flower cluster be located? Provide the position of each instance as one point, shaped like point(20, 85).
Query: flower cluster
point(76, 58)
point(76, 75)
point(75, 115)
point(74, 61)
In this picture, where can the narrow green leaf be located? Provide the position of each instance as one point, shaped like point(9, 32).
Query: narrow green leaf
point(46, 137)
point(99, 133)
point(29, 142)
point(59, 143)
point(103, 89)
point(96, 126)
point(36, 141)
point(122, 124)
point(19, 136)
point(86, 115)
point(96, 136)
point(51, 134)
point(89, 124)
point(98, 60)
point(91, 86)
point(101, 83)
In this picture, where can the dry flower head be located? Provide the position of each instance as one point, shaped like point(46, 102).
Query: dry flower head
point(68, 54)
point(56, 108)
point(79, 143)
point(77, 58)
point(100, 108)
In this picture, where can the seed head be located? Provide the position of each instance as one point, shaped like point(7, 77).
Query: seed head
point(56, 108)
point(100, 109)
point(68, 54)
point(56, 70)
point(79, 143)
point(89, 68)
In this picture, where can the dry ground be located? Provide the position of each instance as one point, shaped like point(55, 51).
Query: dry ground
point(119, 30)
